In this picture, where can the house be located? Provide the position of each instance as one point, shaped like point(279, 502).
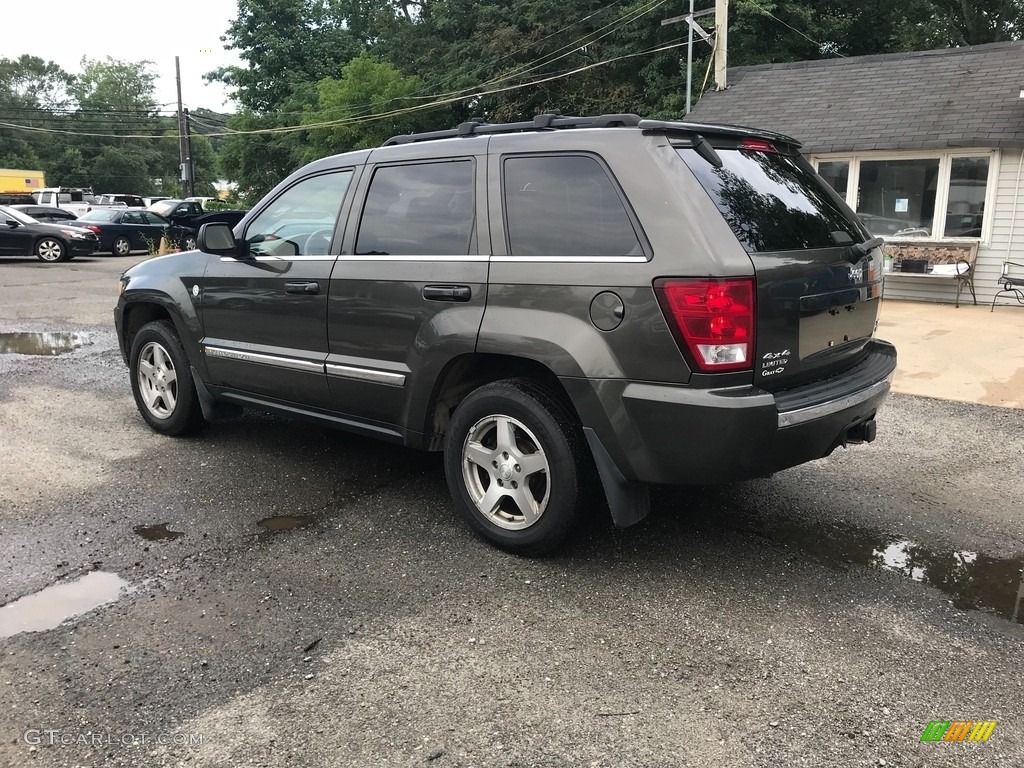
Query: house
point(927, 147)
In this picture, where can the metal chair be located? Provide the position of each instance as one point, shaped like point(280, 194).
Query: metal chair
point(1011, 283)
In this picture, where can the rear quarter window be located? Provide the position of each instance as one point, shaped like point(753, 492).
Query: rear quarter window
point(773, 201)
point(565, 205)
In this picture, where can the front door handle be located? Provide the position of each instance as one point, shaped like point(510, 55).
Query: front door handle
point(302, 287)
point(447, 292)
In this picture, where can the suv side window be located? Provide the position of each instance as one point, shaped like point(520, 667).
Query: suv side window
point(565, 206)
point(301, 220)
point(425, 209)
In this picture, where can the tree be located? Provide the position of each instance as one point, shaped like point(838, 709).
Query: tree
point(119, 92)
point(117, 170)
point(366, 85)
point(69, 169)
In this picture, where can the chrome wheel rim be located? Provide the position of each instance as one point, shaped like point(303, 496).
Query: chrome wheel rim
point(190, 243)
point(158, 381)
point(122, 246)
point(50, 250)
point(506, 472)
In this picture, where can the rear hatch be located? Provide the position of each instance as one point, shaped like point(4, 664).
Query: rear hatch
point(818, 274)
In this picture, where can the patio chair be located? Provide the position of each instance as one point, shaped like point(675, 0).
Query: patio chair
point(1011, 282)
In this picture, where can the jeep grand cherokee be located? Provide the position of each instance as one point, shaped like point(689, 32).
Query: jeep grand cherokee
point(547, 302)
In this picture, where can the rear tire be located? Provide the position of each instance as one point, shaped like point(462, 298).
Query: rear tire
point(162, 381)
point(515, 464)
point(51, 250)
point(121, 246)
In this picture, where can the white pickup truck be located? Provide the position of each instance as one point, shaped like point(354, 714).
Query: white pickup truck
point(77, 201)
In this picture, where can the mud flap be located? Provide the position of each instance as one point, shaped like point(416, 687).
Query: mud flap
point(629, 502)
point(213, 409)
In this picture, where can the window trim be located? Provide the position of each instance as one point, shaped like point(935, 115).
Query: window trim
point(945, 158)
point(634, 220)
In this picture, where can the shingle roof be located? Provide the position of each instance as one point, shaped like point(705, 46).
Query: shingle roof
point(957, 97)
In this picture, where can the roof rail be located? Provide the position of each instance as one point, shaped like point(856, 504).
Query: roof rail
point(545, 122)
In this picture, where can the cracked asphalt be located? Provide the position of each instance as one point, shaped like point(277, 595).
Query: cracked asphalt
point(820, 617)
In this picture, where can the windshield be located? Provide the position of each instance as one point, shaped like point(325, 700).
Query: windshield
point(107, 215)
point(772, 201)
point(18, 216)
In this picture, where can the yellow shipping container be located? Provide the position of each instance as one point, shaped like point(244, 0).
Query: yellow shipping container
point(14, 181)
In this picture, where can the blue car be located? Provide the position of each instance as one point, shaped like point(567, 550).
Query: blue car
point(122, 231)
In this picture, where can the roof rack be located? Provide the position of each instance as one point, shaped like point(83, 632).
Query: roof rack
point(546, 122)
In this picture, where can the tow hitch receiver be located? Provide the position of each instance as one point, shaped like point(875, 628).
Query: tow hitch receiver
point(864, 432)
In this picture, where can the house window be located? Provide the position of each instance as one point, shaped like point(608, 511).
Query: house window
point(836, 173)
point(934, 196)
point(898, 196)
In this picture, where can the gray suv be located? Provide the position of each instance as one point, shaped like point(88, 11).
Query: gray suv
point(562, 306)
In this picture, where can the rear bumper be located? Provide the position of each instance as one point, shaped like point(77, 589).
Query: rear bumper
point(677, 435)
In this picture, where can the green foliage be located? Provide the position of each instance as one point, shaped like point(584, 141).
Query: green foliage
point(68, 169)
point(115, 170)
point(366, 86)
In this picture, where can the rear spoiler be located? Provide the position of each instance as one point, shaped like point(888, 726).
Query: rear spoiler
point(710, 129)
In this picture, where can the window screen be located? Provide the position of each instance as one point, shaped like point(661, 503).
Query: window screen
point(565, 206)
point(419, 210)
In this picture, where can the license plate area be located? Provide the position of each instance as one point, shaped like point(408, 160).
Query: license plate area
point(836, 326)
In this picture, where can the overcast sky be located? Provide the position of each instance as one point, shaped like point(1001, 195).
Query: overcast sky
point(63, 31)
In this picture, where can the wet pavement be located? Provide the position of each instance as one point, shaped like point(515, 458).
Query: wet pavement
point(41, 342)
point(273, 594)
point(52, 606)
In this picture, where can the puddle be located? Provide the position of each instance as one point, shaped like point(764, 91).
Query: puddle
point(157, 532)
point(284, 522)
point(973, 580)
point(52, 606)
point(46, 343)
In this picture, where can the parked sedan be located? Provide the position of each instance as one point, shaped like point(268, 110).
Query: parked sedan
point(47, 213)
point(21, 235)
point(122, 230)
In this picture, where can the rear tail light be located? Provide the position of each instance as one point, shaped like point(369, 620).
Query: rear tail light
point(714, 319)
point(758, 145)
point(93, 228)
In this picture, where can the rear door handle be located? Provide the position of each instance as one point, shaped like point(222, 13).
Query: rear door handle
point(447, 292)
point(302, 287)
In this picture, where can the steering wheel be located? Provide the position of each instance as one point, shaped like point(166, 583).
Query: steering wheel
point(319, 243)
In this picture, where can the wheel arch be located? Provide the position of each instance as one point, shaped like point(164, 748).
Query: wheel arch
point(467, 372)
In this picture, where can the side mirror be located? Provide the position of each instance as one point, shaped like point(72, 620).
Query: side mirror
point(218, 239)
point(12, 223)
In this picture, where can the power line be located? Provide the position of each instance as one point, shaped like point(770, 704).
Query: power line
point(821, 46)
point(371, 118)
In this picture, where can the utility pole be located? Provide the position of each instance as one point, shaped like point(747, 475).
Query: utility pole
point(183, 152)
point(721, 43)
point(190, 168)
point(693, 27)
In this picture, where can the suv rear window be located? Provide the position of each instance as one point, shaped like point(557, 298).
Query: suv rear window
point(772, 201)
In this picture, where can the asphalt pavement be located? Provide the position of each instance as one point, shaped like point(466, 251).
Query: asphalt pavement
point(274, 594)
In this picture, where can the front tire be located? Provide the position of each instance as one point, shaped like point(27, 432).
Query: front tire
point(51, 250)
point(121, 246)
point(189, 243)
point(515, 463)
point(162, 381)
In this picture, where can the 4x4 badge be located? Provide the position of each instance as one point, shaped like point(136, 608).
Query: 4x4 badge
point(776, 355)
